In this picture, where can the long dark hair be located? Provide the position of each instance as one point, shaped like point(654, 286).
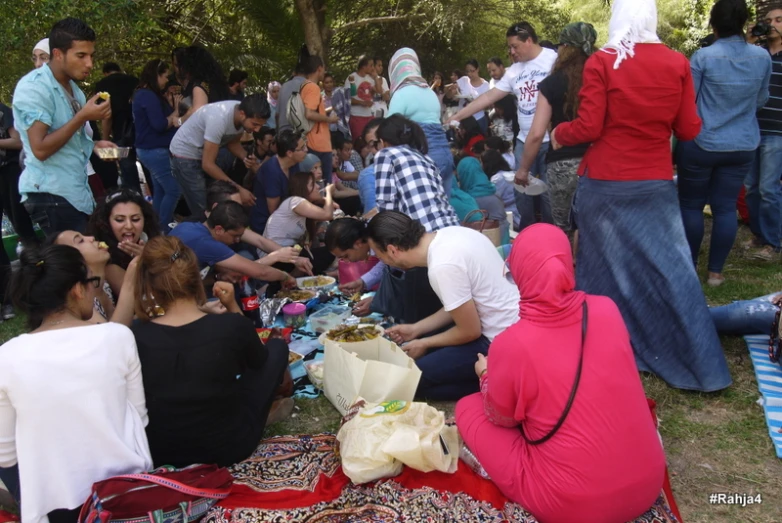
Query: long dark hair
point(398, 130)
point(100, 226)
point(493, 162)
point(149, 75)
point(471, 129)
point(45, 276)
point(507, 104)
point(198, 65)
point(571, 62)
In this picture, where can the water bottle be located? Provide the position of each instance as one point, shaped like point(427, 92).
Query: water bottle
point(251, 305)
point(19, 249)
point(8, 229)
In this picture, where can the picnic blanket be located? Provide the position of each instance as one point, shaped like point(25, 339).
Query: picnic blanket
point(299, 479)
point(769, 376)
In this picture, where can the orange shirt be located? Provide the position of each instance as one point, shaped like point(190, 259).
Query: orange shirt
point(319, 138)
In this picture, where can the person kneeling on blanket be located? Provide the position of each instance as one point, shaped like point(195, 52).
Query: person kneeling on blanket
point(466, 273)
point(594, 457)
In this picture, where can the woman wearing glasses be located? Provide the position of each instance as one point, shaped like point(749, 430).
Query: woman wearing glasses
point(472, 86)
point(71, 411)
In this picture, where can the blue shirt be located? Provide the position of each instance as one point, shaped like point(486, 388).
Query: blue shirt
point(366, 188)
point(416, 103)
point(209, 251)
point(270, 182)
point(150, 114)
point(731, 83)
point(39, 97)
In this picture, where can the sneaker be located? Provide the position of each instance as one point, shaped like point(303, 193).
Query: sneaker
point(7, 312)
point(765, 253)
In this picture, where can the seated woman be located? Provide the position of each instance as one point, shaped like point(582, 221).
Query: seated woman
point(295, 220)
point(495, 166)
point(209, 380)
point(747, 316)
point(125, 221)
point(72, 409)
point(468, 134)
point(474, 182)
point(466, 273)
point(605, 459)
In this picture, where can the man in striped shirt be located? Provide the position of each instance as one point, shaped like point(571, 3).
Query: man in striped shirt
point(764, 192)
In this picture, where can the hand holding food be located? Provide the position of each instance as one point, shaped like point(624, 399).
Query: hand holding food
point(352, 287)
point(402, 333)
point(95, 109)
point(361, 308)
point(131, 248)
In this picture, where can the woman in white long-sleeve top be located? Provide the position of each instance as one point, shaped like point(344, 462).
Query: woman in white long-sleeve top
point(72, 408)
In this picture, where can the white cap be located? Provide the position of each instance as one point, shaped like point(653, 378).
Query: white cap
point(43, 45)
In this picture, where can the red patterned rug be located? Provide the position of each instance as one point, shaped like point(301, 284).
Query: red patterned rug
point(297, 479)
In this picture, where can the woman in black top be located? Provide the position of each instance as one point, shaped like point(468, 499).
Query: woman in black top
point(557, 103)
point(202, 79)
point(209, 381)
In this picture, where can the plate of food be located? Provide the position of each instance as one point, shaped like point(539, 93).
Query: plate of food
point(112, 153)
point(296, 295)
point(315, 282)
point(352, 333)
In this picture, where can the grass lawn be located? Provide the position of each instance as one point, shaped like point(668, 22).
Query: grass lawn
point(714, 442)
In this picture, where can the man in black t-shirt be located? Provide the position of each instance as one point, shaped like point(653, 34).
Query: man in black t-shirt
point(119, 127)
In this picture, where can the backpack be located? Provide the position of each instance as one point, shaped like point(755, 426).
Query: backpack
point(296, 111)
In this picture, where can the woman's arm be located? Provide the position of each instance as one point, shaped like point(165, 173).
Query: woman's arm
point(313, 212)
point(593, 101)
point(200, 99)
point(124, 311)
point(115, 275)
point(148, 103)
point(687, 124)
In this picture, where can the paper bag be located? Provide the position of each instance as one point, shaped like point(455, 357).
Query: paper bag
point(383, 437)
point(376, 370)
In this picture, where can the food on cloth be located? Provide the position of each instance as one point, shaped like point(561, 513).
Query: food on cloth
point(352, 333)
point(317, 281)
point(295, 295)
point(293, 357)
point(103, 245)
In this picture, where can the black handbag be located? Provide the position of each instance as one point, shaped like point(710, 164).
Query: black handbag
point(584, 321)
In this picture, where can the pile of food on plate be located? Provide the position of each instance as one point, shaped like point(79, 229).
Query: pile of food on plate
point(317, 281)
point(352, 333)
point(296, 295)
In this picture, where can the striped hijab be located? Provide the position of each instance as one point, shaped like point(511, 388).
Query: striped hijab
point(405, 69)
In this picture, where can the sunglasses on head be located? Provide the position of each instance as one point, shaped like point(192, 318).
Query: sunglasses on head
point(519, 31)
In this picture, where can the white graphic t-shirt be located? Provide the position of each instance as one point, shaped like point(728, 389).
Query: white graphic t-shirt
point(362, 88)
point(522, 79)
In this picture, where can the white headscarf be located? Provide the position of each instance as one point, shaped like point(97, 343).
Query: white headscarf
point(43, 45)
point(632, 22)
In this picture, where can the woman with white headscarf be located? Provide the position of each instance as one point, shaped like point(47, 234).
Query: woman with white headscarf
point(272, 94)
point(632, 246)
point(412, 98)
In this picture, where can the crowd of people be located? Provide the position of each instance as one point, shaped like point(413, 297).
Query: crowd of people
point(139, 355)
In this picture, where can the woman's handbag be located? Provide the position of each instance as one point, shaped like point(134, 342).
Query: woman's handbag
point(164, 495)
point(489, 228)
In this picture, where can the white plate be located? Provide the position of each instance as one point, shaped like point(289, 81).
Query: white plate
point(536, 187)
point(300, 283)
point(380, 331)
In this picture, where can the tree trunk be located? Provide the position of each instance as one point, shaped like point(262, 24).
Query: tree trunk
point(313, 20)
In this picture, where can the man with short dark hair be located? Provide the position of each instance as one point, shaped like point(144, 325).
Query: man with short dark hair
point(237, 83)
point(212, 240)
point(496, 70)
point(195, 146)
point(319, 137)
point(50, 112)
point(362, 86)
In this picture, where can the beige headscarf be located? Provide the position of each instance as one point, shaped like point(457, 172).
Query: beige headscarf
point(632, 22)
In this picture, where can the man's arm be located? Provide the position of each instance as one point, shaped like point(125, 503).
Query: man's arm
point(249, 268)
point(467, 326)
point(481, 103)
point(256, 240)
point(272, 204)
point(209, 161)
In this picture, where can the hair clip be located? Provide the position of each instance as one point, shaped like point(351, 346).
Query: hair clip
point(38, 264)
point(175, 256)
point(406, 129)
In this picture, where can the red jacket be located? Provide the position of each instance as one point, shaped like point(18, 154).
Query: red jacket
point(629, 114)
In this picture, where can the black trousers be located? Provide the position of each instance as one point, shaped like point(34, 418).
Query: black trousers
point(12, 203)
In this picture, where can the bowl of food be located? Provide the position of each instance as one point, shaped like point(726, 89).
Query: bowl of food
point(351, 333)
point(112, 153)
point(315, 282)
point(296, 295)
point(314, 371)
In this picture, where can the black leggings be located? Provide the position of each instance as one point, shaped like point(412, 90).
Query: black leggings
point(12, 204)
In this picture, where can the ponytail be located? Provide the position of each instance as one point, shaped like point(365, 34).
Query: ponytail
point(398, 130)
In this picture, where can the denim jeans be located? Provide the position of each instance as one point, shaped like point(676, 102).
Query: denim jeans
point(165, 188)
point(448, 373)
point(54, 213)
point(440, 152)
point(526, 204)
point(192, 180)
point(10, 478)
point(326, 165)
point(764, 193)
point(714, 178)
point(745, 317)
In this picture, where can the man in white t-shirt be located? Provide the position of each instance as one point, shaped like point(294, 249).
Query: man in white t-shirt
point(532, 63)
point(468, 275)
point(196, 144)
point(362, 85)
point(496, 69)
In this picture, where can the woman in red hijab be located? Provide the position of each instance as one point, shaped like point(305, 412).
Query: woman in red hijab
point(604, 462)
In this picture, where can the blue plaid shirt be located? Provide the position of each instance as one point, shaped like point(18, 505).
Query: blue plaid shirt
point(409, 182)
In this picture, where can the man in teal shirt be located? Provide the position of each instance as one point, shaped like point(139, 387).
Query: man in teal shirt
point(50, 112)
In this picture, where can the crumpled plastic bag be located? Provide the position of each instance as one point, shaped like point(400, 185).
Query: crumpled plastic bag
point(383, 437)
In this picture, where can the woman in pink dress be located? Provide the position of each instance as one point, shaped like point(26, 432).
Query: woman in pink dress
point(604, 462)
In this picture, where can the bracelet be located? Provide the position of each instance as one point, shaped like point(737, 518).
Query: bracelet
point(482, 373)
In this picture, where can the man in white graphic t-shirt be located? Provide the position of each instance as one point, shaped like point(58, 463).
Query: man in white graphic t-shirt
point(532, 63)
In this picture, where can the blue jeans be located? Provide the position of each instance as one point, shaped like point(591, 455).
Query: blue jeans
point(764, 193)
point(165, 188)
point(526, 204)
point(746, 316)
point(448, 373)
point(440, 152)
point(714, 178)
point(192, 180)
point(325, 163)
point(10, 478)
point(54, 214)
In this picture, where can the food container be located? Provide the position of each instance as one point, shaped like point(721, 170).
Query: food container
point(314, 283)
point(295, 360)
point(329, 317)
point(315, 372)
point(294, 315)
point(112, 153)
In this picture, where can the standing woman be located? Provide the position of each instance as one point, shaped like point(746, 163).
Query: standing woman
point(557, 103)
point(202, 79)
point(632, 246)
point(412, 97)
point(272, 94)
point(156, 122)
point(731, 81)
point(473, 86)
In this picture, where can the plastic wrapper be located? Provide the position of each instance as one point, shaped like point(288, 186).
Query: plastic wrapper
point(471, 461)
point(270, 308)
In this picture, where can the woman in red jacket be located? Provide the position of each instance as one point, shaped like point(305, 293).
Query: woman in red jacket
point(632, 246)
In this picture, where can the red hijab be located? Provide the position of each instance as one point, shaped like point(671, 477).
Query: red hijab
point(541, 264)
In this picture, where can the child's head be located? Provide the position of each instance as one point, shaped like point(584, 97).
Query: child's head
point(311, 164)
